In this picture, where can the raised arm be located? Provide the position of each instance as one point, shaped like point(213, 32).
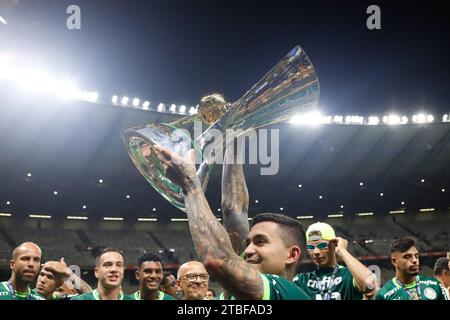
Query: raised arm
point(210, 238)
point(235, 197)
point(365, 280)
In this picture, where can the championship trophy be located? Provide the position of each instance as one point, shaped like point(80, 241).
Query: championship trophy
point(291, 86)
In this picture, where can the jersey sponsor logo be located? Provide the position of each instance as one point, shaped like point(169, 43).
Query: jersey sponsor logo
point(430, 293)
point(324, 283)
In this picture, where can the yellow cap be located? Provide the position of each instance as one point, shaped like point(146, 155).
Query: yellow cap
point(320, 231)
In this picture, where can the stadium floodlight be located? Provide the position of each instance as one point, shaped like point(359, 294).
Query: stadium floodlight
point(146, 105)
point(100, 180)
point(402, 203)
point(361, 184)
point(281, 208)
point(219, 219)
point(128, 196)
point(3, 21)
point(192, 110)
point(29, 174)
point(320, 197)
point(342, 206)
point(445, 118)
point(161, 107)
point(422, 180)
point(250, 219)
point(154, 209)
point(335, 215)
point(55, 193)
point(442, 190)
point(385, 119)
point(427, 210)
point(77, 218)
point(256, 201)
point(300, 186)
point(182, 109)
point(147, 219)
point(404, 120)
point(124, 100)
point(5, 214)
point(364, 214)
point(173, 108)
point(114, 99)
point(373, 121)
point(312, 118)
point(430, 118)
point(40, 216)
point(354, 120)
point(84, 207)
point(8, 203)
point(218, 209)
point(179, 219)
point(338, 119)
point(396, 211)
point(305, 217)
point(113, 218)
point(394, 119)
point(136, 102)
point(419, 118)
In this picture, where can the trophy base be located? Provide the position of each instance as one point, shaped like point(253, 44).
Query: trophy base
point(140, 145)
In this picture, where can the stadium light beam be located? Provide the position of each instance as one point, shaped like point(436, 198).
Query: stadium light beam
point(136, 102)
point(146, 105)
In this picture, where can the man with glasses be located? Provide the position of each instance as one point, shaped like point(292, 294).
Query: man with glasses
point(193, 280)
point(331, 281)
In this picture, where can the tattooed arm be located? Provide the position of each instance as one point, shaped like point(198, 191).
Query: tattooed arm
point(210, 238)
point(235, 197)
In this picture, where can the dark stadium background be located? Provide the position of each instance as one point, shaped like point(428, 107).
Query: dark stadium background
point(176, 52)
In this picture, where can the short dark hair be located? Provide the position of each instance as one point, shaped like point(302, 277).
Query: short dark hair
point(148, 257)
point(440, 266)
point(213, 292)
point(402, 245)
point(293, 228)
point(106, 250)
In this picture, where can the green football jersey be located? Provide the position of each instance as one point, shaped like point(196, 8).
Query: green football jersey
point(8, 293)
point(57, 296)
point(94, 295)
point(329, 284)
point(277, 288)
point(429, 289)
point(162, 296)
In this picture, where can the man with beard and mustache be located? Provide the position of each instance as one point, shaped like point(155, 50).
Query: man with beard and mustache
point(331, 281)
point(25, 263)
point(150, 276)
point(408, 284)
point(109, 270)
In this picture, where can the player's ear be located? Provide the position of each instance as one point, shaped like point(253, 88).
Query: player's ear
point(96, 272)
point(394, 261)
point(294, 254)
point(11, 264)
point(137, 275)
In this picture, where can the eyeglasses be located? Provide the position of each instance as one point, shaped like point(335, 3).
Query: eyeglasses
point(193, 277)
point(320, 246)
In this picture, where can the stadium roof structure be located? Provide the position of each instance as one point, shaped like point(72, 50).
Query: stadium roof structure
point(76, 149)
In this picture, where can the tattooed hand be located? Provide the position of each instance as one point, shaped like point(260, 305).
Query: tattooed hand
point(180, 170)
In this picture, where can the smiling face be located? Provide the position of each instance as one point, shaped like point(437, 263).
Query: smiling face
point(110, 270)
point(407, 263)
point(26, 262)
point(193, 280)
point(267, 251)
point(150, 275)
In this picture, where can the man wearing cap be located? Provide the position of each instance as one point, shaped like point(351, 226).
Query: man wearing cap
point(331, 281)
point(442, 273)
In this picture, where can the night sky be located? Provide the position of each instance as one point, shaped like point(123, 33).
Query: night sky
point(177, 51)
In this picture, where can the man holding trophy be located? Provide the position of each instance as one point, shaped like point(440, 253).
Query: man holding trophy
point(166, 155)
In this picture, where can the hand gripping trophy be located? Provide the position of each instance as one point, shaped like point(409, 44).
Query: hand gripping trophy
point(291, 86)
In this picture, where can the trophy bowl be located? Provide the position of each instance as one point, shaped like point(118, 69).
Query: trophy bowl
point(289, 87)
